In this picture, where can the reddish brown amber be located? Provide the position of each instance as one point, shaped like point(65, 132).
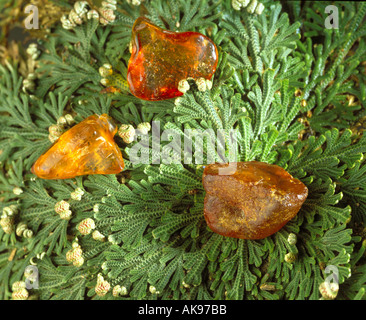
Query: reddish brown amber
point(161, 58)
point(252, 201)
point(86, 148)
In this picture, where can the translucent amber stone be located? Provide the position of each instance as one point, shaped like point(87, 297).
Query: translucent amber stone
point(251, 200)
point(161, 58)
point(86, 148)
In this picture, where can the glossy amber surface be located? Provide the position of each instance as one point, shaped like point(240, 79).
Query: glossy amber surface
point(161, 58)
point(250, 200)
point(86, 148)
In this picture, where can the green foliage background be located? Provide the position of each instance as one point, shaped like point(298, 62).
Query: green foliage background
point(295, 91)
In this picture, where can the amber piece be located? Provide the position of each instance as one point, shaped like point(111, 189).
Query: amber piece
point(86, 148)
point(250, 200)
point(161, 58)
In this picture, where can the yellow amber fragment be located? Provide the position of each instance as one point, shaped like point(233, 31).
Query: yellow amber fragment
point(86, 148)
point(161, 58)
point(253, 201)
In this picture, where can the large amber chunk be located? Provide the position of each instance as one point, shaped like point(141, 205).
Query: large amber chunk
point(86, 148)
point(250, 200)
point(161, 58)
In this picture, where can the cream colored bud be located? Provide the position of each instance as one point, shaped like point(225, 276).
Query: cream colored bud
point(183, 86)
point(252, 6)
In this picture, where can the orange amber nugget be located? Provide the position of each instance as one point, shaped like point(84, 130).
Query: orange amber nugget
point(161, 58)
point(86, 148)
point(253, 200)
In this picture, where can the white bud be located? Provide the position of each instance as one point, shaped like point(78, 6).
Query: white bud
point(112, 240)
point(70, 119)
point(75, 18)
point(18, 285)
point(93, 14)
point(153, 290)
point(259, 9)
point(252, 6)
point(102, 286)
point(66, 23)
point(78, 262)
point(127, 133)
point(10, 210)
point(66, 215)
point(183, 86)
point(292, 239)
point(105, 70)
point(32, 49)
point(123, 291)
point(86, 226)
point(61, 121)
point(21, 227)
point(62, 206)
point(77, 194)
point(98, 236)
point(290, 257)
point(28, 233)
point(236, 5)
point(144, 127)
point(329, 290)
point(201, 84)
point(80, 8)
point(28, 84)
point(244, 3)
point(104, 82)
point(177, 101)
